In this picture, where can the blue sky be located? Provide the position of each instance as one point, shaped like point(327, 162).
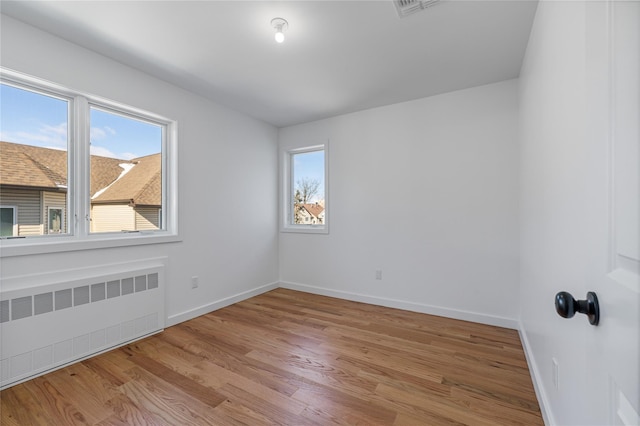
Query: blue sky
point(33, 119)
point(310, 165)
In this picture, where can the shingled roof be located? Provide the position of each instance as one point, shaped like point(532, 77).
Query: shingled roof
point(24, 165)
point(142, 185)
point(313, 209)
point(44, 168)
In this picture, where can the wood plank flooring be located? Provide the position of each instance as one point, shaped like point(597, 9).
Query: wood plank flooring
point(293, 358)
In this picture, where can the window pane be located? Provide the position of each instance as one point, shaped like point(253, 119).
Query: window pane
point(126, 173)
point(6, 221)
point(56, 219)
point(308, 187)
point(33, 157)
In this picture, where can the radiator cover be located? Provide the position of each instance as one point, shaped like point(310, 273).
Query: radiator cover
point(54, 319)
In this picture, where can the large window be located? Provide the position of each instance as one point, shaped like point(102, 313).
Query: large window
point(305, 188)
point(79, 168)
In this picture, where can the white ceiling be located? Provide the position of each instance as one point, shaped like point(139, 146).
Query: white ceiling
point(338, 56)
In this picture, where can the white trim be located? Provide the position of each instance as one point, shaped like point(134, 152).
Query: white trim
point(63, 243)
point(627, 278)
point(219, 304)
point(306, 229)
point(536, 378)
point(356, 297)
point(407, 306)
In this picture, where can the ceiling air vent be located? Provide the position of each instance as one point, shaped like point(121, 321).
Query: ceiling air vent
point(407, 7)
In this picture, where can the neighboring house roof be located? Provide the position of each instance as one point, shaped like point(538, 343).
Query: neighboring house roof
point(313, 209)
point(104, 171)
point(42, 168)
point(23, 165)
point(142, 185)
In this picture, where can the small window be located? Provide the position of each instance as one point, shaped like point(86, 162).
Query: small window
point(56, 220)
point(305, 179)
point(8, 225)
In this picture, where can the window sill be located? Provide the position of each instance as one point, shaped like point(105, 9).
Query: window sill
point(305, 229)
point(28, 246)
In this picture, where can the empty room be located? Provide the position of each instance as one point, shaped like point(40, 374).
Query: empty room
point(389, 212)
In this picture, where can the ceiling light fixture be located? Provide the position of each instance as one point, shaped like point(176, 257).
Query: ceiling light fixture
point(280, 25)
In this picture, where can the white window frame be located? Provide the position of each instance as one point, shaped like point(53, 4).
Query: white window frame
point(287, 191)
point(79, 235)
point(15, 217)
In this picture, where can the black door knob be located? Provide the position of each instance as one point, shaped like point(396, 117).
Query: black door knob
point(567, 306)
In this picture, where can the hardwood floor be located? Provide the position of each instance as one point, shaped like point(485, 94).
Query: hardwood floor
point(293, 358)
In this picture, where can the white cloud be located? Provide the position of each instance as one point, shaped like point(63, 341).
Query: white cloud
point(46, 136)
point(59, 130)
point(128, 156)
point(97, 134)
point(103, 152)
point(55, 137)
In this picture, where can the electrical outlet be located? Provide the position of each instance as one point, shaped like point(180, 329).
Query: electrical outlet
point(195, 281)
point(378, 274)
point(554, 373)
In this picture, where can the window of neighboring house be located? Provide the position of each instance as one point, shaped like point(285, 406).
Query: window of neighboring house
point(305, 187)
point(56, 220)
point(83, 171)
point(8, 226)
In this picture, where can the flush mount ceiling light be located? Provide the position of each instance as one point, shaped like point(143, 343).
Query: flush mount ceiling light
point(280, 25)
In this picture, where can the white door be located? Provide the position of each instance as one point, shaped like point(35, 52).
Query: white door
point(613, 129)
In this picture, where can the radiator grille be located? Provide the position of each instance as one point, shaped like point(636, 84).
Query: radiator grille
point(23, 307)
point(49, 325)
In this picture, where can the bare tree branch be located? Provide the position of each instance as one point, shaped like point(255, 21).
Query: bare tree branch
point(306, 189)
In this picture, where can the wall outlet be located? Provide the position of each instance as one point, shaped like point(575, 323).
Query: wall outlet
point(195, 282)
point(554, 373)
point(378, 274)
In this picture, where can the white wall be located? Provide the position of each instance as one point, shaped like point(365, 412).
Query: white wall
point(225, 158)
point(426, 191)
point(555, 206)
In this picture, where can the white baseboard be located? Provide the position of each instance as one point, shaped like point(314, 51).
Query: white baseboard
point(536, 378)
point(356, 297)
point(218, 304)
point(407, 306)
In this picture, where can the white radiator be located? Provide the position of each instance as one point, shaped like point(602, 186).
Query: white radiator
point(50, 320)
